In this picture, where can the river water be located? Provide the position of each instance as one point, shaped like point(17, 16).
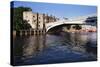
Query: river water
point(55, 48)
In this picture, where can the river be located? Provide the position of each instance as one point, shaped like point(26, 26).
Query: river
point(55, 48)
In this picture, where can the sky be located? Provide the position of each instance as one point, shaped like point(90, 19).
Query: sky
point(58, 10)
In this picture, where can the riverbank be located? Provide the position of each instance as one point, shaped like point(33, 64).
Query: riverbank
point(28, 32)
point(82, 30)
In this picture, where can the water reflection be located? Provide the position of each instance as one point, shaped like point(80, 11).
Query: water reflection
point(33, 45)
point(65, 47)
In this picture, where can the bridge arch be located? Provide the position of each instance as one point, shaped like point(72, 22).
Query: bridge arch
point(59, 23)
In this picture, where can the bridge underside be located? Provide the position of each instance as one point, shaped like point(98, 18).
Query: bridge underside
point(55, 29)
point(59, 28)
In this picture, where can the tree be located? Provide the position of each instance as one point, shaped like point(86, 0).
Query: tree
point(17, 15)
point(26, 25)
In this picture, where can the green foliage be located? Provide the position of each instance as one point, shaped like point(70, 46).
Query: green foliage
point(18, 23)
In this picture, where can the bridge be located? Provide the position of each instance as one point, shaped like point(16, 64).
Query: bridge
point(78, 20)
point(40, 23)
point(58, 23)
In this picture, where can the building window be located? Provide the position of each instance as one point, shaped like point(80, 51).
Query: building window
point(39, 21)
point(33, 16)
point(34, 20)
point(39, 18)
